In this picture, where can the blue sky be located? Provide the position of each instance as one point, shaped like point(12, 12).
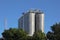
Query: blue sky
point(12, 10)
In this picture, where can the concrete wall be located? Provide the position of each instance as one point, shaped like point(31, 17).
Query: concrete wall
point(31, 23)
point(40, 22)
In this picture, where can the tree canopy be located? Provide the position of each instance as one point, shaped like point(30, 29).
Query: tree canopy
point(19, 34)
point(54, 34)
point(14, 34)
point(39, 35)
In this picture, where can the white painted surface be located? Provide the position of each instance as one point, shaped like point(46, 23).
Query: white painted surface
point(31, 23)
point(41, 22)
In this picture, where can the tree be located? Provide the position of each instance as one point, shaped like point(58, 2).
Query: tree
point(39, 36)
point(19, 34)
point(55, 33)
point(14, 34)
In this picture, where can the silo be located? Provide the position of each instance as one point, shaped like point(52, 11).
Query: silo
point(31, 23)
point(39, 22)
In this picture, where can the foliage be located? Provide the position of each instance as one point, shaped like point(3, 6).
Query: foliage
point(14, 34)
point(19, 34)
point(55, 34)
point(39, 36)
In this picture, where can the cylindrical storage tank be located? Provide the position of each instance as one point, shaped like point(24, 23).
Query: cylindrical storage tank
point(31, 24)
point(40, 22)
point(41, 18)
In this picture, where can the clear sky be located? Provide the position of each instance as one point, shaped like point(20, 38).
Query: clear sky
point(12, 10)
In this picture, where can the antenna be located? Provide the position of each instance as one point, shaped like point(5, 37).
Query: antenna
point(5, 23)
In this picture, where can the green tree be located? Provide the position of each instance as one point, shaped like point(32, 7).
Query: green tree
point(54, 34)
point(19, 34)
point(39, 36)
point(14, 34)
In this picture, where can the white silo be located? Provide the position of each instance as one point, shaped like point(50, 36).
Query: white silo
point(31, 23)
point(41, 18)
point(40, 22)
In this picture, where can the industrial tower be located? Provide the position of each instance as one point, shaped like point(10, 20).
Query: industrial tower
point(32, 21)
